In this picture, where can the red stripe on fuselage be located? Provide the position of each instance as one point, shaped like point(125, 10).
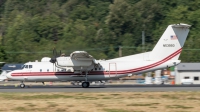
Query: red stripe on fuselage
point(154, 64)
point(100, 72)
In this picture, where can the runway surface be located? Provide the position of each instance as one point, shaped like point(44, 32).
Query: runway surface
point(101, 88)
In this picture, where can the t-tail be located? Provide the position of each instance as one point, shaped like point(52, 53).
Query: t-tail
point(170, 45)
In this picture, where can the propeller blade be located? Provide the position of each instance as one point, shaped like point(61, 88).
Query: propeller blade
point(53, 59)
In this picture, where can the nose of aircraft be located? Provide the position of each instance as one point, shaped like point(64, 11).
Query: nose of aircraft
point(2, 78)
point(8, 75)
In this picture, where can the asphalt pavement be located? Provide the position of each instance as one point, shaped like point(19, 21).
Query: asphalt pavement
point(99, 88)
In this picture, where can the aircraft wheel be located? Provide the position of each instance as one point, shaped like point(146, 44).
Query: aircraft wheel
point(88, 84)
point(85, 84)
point(22, 85)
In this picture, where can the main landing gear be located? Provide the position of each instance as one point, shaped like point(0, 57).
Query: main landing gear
point(22, 85)
point(86, 84)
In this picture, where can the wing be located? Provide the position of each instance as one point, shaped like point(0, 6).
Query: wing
point(78, 60)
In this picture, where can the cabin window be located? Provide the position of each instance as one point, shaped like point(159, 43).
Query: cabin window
point(30, 66)
point(40, 70)
point(196, 78)
point(26, 66)
point(186, 77)
point(63, 70)
point(47, 70)
point(95, 68)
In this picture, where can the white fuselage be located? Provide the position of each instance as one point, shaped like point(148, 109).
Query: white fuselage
point(46, 71)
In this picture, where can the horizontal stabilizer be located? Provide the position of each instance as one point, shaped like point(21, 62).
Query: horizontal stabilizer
point(181, 25)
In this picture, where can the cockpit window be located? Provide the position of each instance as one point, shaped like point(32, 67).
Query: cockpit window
point(23, 66)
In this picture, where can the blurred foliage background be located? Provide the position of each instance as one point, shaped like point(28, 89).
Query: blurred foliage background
point(30, 29)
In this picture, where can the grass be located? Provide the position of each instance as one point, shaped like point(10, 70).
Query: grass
point(20, 109)
point(178, 106)
point(152, 107)
point(31, 105)
point(106, 97)
point(115, 110)
point(115, 94)
point(100, 105)
point(86, 97)
point(42, 96)
point(52, 105)
point(192, 98)
point(61, 110)
point(141, 104)
point(101, 102)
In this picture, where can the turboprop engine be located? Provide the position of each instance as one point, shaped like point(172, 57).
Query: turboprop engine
point(78, 61)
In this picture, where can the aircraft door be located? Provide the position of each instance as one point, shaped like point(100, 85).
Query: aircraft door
point(28, 69)
point(112, 69)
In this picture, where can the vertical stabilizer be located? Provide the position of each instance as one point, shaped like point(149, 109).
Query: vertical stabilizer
point(171, 42)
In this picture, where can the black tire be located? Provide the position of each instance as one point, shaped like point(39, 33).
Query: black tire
point(22, 85)
point(88, 84)
point(85, 84)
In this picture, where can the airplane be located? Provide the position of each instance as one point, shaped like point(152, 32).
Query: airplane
point(80, 66)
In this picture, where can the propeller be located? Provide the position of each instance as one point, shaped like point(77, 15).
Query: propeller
point(53, 59)
point(55, 55)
